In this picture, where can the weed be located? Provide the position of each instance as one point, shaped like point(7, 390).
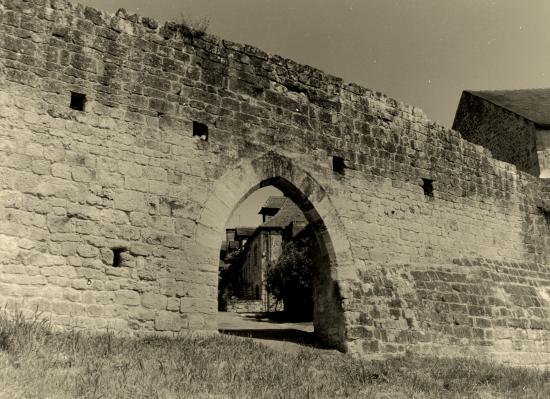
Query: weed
point(192, 27)
point(21, 334)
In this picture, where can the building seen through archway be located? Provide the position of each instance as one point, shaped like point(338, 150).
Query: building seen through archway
point(269, 268)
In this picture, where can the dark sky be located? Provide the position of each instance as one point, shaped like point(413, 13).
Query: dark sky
point(423, 52)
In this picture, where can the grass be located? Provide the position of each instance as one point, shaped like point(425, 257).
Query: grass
point(36, 362)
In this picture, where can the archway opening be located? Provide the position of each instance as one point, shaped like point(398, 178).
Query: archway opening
point(276, 275)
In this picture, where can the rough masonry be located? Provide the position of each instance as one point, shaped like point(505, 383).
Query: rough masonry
point(126, 145)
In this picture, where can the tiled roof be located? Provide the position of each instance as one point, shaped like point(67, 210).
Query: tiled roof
point(532, 104)
point(288, 213)
point(273, 202)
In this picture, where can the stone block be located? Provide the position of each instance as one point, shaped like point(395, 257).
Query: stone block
point(95, 310)
point(197, 305)
point(59, 224)
point(136, 183)
point(171, 241)
point(62, 308)
point(139, 249)
point(140, 219)
point(155, 173)
point(142, 314)
point(41, 167)
point(130, 169)
point(129, 233)
point(173, 304)
point(114, 216)
point(153, 301)
point(128, 298)
point(86, 227)
point(170, 321)
point(87, 251)
point(132, 201)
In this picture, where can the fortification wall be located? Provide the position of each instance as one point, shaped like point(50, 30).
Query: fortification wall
point(434, 246)
point(543, 151)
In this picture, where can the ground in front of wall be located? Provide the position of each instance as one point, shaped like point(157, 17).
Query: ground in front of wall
point(37, 363)
point(270, 330)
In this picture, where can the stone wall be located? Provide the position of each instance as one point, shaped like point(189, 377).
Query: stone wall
point(113, 216)
point(543, 151)
point(237, 305)
point(510, 137)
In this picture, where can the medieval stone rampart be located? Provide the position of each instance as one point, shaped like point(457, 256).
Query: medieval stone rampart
point(112, 216)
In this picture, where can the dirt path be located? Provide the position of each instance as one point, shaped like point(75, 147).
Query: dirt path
point(290, 337)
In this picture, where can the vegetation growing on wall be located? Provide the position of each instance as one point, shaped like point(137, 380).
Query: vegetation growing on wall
point(193, 27)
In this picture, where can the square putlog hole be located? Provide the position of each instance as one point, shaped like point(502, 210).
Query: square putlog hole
point(338, 165)
point(117, 256)
point(428, 187)
point(545, 213)
point(200, 130)
point(78, 101)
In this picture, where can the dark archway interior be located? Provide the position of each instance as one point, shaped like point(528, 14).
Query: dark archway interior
point(327, 312)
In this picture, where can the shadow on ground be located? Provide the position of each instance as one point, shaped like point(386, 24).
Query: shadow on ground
point(271, 328)
point(284, 335)
point(278, 317)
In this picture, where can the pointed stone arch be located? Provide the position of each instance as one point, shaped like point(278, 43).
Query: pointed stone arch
point(272, 169)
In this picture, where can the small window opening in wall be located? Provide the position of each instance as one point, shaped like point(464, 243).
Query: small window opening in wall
point(338, 165)
point(200, 130)
point(428, 187)
point(545, 212)
point(117, 256)
point(78, 101)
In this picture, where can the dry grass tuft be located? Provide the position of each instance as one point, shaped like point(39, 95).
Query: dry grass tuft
point(36, 362)
point(22, 335)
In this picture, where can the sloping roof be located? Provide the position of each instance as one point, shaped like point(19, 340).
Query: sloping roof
point(289, 212)
point(532, 104)
point(273, 202)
